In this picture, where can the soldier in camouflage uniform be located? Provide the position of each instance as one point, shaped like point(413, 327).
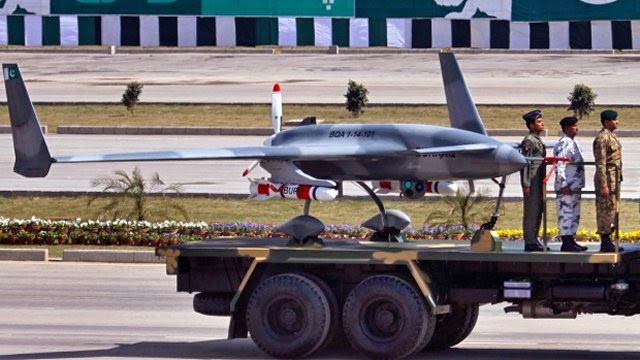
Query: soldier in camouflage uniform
point(531, 179)
point(568, 184)
point(607, 151)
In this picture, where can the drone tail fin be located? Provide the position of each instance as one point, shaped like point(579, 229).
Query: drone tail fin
point(463, 113)
point(32, 154)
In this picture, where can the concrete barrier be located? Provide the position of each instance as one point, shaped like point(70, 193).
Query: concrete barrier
point(6, 129)
point(112, 256)
point(24, 254)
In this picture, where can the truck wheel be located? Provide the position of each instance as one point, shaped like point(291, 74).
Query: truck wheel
point(288, 316)
point(384, 316)
point(335, 338)
point(212, 304)
point(454, 327)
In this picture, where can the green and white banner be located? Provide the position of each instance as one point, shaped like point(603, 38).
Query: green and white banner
point(126, 7)
point(24, 7)
point(450, 9)
point(561, 10)
point(333, 8)
point(513, 10)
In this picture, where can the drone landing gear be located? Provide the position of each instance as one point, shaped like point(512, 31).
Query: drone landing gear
point(303, 230)
point(388, 224)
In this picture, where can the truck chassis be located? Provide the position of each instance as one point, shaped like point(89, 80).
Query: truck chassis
point(387, 299)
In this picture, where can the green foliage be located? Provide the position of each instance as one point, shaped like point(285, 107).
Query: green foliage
point(129, 198)
point(131, 96)
point(582, 100)
point(464, 208)
point(356, 98)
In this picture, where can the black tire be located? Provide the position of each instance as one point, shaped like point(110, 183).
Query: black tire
point(385, 317)
point(335, 338)
point(288, 316)
point(212, 304)
point(454, 327)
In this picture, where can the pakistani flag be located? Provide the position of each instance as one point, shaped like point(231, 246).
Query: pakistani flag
point(10, 72)
point(564, 10)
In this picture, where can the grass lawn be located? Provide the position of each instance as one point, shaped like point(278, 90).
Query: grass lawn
point(258, 115)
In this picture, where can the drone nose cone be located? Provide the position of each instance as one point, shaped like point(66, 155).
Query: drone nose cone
point(510, 159)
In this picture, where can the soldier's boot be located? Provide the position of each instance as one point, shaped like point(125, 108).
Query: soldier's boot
point(584, 248)
point(569, 244)
point(606, 245)
point(534, 246)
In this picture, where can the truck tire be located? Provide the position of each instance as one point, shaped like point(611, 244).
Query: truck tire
point(212, 304)
point(454, 327)
point(335, 338)
point(288, 316)
point(384, 316)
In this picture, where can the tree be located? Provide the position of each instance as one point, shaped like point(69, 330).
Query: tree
point(581, 99)
point(130, 195)
point(131, 95)
point(465, 208)
point(356, 98)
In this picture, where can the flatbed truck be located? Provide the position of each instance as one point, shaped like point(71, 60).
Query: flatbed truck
point(391, 299)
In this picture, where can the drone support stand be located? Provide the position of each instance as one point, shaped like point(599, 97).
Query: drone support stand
point(485, 238)
point(303, 230)
point(388, 224)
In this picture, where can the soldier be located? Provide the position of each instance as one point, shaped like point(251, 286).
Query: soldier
point(607, 153)
point(568, 184)
point(531, 179)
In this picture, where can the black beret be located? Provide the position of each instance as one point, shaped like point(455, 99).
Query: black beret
point(532, 116)
point(568, 121)
point(608, 115)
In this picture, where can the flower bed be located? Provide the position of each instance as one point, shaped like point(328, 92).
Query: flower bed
point(36, 231)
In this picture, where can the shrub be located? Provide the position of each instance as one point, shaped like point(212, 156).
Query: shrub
point(129, 196)
point(131, 95)
point(465, 209)
point(581, 99)
point(356, 98)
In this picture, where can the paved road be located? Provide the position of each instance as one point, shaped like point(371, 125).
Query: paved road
point(82, 311)
point(494, 78)
point(217, 177)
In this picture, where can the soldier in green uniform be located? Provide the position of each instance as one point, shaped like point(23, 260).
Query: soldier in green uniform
point(531, 179)
point(607, 154)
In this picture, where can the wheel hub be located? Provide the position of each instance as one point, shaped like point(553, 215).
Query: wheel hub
point(384, 319)
point(286, 317)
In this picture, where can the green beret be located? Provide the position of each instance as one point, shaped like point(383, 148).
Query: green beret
point(608, 115)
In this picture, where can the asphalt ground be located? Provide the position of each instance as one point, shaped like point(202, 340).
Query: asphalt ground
point(392, 77)
point(126, 311)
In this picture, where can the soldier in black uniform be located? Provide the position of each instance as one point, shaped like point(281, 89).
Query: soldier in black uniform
point(531, 179)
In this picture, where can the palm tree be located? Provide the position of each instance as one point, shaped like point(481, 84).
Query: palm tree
point(465, 208)
point(131, 194)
